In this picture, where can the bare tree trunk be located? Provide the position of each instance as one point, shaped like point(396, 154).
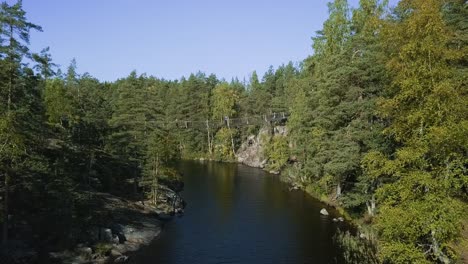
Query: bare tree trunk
point(209, 138)
point(437, 251)
point(135, 183)
point(232, 139)
point(371, 206)
point(6, 209)
point(155, 180)
point(338, 190)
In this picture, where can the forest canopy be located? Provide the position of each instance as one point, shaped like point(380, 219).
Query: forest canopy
point(376, 119)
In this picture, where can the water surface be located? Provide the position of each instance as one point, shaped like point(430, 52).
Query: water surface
point(238, 214)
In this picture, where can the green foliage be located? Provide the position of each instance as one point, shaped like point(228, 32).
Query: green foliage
point(399, 74)
point(161, 149)
point(224, 102)
point(102, 249)
point(357, 250)
point(222, 145)
point(277, 152)
point(336, 30)
point(12, 142)
point(420, 214)
point(377, 122)
point(58, 104)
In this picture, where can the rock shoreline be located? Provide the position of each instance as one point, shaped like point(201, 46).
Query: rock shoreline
point(133, 225)
point(251, 152)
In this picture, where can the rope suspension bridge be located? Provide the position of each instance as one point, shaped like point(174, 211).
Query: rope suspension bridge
point(237, 122)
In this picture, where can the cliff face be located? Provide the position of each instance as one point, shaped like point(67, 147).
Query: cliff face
point(252, 150)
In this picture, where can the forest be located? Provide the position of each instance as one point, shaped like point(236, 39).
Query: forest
point(377, 125)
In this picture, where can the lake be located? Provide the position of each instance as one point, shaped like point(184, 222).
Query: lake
point(239, 214)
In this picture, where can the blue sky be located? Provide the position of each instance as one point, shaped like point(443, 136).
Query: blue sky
point(171, 39)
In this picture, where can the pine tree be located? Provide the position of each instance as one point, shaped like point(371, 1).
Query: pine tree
point(130, 123)
point(45, 65)
point(160, 151)
point(15, 32)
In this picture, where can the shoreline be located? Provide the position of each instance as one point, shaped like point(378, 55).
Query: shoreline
point(134, 225)
point(326, 202)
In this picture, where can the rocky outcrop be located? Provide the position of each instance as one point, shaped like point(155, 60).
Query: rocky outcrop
point(127, 226)
point(251, 152)
point(280, 130)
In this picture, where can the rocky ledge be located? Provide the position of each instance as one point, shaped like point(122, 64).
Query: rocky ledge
point(129, 226)
point(251, 151)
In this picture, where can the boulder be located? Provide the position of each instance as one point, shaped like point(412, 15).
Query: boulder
point(121, 259)
point(107, 235)
point(84, 251)
point(115, 239)
point(341, 219)
point(324, 211)
point(127, 230)
point(115, 253)
point(118, 229)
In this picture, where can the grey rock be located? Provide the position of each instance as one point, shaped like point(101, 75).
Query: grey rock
point(281, 130)
point(128, 230)
point(324, 211)
point(85, 251)
point(118, 229)
point(121, 259)
point(115, 239)
point(341, 219)
point(107, 235)
point(115, 253)
point(251, 151)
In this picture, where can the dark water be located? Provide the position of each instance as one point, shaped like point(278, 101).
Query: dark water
point(238, 214)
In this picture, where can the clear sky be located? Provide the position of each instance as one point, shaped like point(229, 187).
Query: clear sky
point(173, 38)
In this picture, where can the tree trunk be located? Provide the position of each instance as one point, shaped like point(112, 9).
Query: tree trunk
point(369, 208)
point(6, 209)
point(209, 138)
point(155, 180)
point(338, 190)
point(436, 250)
point(135, 183)
point(232, 139)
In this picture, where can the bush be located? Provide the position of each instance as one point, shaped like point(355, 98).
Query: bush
point(223, 146)
point(277, 152)
point(356, 250)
